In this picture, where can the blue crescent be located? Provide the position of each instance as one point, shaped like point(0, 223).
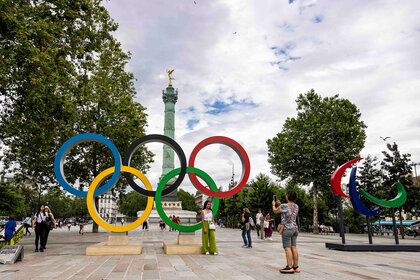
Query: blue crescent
point(355, 200)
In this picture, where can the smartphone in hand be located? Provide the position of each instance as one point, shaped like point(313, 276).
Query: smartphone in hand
point(275, 198)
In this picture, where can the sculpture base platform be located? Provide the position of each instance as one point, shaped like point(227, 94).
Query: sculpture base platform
point(116, 245)
point(186, 245)
point(374, 247)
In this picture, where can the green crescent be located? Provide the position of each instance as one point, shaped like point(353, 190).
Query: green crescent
point(396, 202)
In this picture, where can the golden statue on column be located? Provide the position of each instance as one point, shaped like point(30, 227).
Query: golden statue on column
point(169, 75)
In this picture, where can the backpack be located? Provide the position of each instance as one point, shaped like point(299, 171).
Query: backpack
point(251, 222)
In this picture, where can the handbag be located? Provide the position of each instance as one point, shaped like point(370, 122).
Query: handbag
point(266, 224)
point(212, 226)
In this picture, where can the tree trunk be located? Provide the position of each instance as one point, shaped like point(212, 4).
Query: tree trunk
point(401, 225)
point(315, 190)
point(95, 227)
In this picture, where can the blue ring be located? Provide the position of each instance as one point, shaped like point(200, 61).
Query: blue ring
point(68, 145)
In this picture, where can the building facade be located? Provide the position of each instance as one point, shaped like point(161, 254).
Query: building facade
point(108, 208)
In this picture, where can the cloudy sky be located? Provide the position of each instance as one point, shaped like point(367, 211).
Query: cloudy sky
point(240, 64)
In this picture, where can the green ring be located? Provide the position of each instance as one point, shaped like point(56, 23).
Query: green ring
point(158, 200)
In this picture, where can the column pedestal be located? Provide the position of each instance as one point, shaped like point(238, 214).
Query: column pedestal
point(187, 244)
point(117, 244)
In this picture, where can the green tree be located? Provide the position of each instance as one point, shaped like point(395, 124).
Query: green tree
point(354, 221)
point(261, 193)
point(129, 204)
point(233, 207)
point(326, 132)
point(369, 178)
point(63, 73)
point(12, 201)
point(396, 167)
point(188, 201)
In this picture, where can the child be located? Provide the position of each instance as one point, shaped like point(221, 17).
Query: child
point(9, 228)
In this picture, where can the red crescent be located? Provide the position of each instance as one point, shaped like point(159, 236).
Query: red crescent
point(336, 178)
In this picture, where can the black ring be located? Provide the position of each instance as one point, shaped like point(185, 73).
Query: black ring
point(155, 138)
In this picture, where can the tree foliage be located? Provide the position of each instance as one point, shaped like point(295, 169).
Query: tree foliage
point(396, 167)
point(62, 73)
point(129, 204)
point(12, 201)
point(188, 201)
point(326, 132)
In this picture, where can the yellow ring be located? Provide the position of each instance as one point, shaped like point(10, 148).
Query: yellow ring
point(92, 208)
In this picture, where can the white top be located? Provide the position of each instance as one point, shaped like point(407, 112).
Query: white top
point(208, 216)
point(258, 218)
point(27, 220)
point(41, 217)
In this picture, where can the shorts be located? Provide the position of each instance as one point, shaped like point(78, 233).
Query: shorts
point(289, 237)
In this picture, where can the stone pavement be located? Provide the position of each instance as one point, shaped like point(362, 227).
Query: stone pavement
point(65, 259)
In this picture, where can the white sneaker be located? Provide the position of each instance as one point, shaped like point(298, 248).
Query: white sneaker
point(215, 253)
point(207, 253)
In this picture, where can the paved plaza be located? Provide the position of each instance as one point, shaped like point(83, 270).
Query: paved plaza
point(65, 259)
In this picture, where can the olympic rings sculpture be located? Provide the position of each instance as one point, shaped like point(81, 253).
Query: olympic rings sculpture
point(123, 166)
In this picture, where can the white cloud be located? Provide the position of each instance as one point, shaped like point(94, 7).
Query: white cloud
point(367, 51)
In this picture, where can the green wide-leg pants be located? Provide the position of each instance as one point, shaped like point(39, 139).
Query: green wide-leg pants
point(207, 238)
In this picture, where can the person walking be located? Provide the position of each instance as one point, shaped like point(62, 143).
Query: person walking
point(39, 224)
point(289, 213)
point(10, 228)
point(262, 219)
point(82, 226)
point(69, 224)
point(50, 224)
point(246, 228)
point(258, 222)
point(147, 223)
point(27, 223)
point(268, 230)
point(208, 238)
point(122, 221)
point(170, 218)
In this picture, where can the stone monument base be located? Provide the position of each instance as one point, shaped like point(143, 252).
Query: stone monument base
point(187, 244)
point(116, 245)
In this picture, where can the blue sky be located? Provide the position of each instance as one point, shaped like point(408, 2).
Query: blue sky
point(240, 64)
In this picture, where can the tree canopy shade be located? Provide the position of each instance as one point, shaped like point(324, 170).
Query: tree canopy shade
point(62, 73)
point(327, 132)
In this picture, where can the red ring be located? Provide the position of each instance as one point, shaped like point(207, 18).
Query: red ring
point(246, 167)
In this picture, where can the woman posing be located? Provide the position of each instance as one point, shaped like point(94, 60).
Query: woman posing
point(289, 213)
point(40, 224)
point(246, 228)
point(208, 230)
point(268, 230)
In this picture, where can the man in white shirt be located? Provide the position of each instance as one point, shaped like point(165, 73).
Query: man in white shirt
point(258, 222)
